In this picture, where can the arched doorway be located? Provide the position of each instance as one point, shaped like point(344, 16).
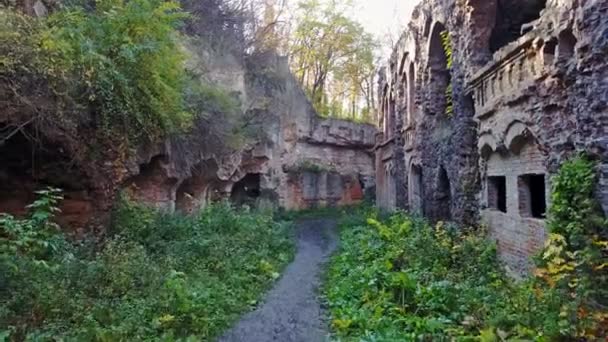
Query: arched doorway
point(415, 189)
point(247, 190)
point(443, 195)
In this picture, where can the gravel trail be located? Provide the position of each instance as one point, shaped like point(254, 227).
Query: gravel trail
point(291, 311)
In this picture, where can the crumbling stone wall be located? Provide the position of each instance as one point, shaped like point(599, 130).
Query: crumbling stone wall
point(312, 161)
point(433, 151)
point(188, 171)
point(529, 90)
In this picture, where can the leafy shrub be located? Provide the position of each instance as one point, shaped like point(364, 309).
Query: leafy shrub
point(121, 58)
point(402, 279)
point(570, 286)
point(158, 277)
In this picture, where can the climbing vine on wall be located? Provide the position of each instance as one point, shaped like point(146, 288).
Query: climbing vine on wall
point(446, 42)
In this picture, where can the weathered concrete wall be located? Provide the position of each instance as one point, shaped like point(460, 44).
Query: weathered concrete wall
point(522, 104)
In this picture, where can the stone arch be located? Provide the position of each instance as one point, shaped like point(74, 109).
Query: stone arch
point(517, 135)
point(436, 52)
point(384, 111)
point(487, 145)
point(438, 70)
point(194, 193)
point(404, 98)
point(391, 185)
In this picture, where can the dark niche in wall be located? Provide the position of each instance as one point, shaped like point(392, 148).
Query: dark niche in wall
point(439, 72)
point(532, 196)
point(497, 193)
point(247, 190)
point(511, 19)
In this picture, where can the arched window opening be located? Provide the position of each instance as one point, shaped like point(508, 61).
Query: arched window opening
point(386, 117)
point(403, 108)
point(427, 27)
point(565, 47)
point(391, 184)
point(439, 72)
point(549, 50)
point(384, 111)
point(513, 18)
point(391, 115)
point(411, 94)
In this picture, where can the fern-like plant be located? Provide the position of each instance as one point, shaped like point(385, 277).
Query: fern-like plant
point(446, 42)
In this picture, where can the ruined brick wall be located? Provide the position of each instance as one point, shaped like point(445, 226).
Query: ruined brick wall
point(530, 89)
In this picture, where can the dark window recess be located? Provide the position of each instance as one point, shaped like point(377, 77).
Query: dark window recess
point(566, 45)
point(513, 18)
point(247, 190)
point(532, 199)
point(497, 193)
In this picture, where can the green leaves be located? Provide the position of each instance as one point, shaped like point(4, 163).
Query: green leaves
point(443, 283)
point(156, 277)
point(121, 60)
point(333, 58)
point(401, 279)
point(446, 42)
point(572, 260)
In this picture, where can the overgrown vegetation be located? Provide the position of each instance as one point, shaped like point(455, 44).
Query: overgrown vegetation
point(401, 279)
point(119, 60)
point(446, 42)
point(157, 277)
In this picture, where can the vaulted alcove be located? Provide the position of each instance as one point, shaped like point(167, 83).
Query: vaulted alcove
point(29, 162)
point(247, 190)
point(438, 71)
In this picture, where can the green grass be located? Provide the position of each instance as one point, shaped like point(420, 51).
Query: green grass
point(159, 276)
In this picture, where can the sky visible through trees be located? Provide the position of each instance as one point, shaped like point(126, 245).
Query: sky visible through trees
point(335, 47)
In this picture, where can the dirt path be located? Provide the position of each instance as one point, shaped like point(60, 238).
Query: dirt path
point(291, 311)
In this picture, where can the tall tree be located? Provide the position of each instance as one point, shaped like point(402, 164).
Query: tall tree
point(332, 57)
